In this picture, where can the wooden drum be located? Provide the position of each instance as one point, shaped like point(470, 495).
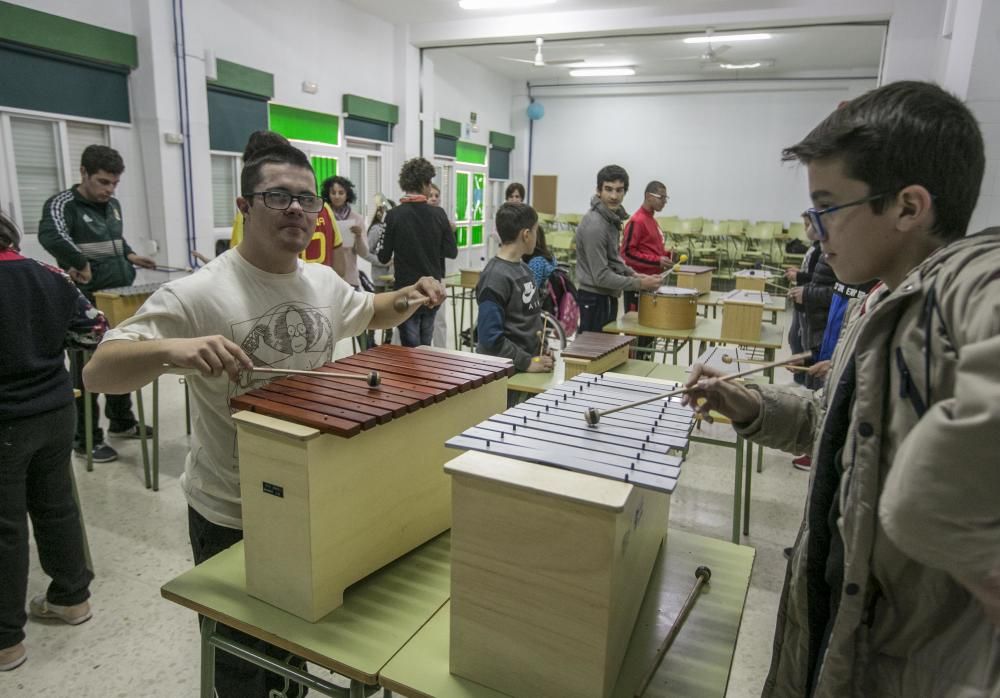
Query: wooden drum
point(555, 529)
point(669, 308)
point(338, 479)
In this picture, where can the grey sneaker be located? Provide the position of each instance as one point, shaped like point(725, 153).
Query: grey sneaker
point(102, 453)
point(132, 432)
point(12, 657)
point(74, 615)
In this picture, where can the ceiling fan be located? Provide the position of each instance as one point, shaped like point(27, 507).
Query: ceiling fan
point(711, 53)
point(539, 60)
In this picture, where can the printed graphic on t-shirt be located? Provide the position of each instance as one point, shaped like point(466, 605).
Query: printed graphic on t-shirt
point(289, 335)
point(528, 292)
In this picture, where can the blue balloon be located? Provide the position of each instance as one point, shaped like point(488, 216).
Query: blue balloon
point(536, 111)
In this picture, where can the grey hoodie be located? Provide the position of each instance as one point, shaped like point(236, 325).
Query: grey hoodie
point(599, 267)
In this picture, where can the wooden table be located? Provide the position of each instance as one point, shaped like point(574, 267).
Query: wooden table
point(380, 614)
point(696, 666)
point(535, 383)
point(706, 331)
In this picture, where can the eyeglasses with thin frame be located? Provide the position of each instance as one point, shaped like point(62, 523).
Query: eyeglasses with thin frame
point(281, 200)
point(815, 214)
point(665, 197)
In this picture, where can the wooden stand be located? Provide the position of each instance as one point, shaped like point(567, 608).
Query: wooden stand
point(593, 352)
point(469, 277)
point(548, 570)
point(323, 510)
point(742, 313)
point(119, 304)
point(696, 277)
point(751, 279)
point(670, 308)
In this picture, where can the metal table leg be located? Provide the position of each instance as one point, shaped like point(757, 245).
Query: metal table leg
point(738, 488)
point(142, 438)
point(88, 424)
point(156, 434)
point(746, 495)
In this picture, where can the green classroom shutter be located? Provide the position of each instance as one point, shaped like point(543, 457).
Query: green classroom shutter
point(304, 125)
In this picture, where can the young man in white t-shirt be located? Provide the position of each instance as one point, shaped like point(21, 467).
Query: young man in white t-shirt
point(255, 305)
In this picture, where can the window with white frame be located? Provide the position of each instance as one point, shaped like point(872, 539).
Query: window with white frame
point(225, 188)
point(40, 157)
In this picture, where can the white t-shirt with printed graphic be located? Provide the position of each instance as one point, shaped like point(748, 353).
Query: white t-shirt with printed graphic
point(280, 321)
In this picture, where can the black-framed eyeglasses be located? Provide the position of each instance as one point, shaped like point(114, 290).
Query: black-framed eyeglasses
point(281, 200)
point(815, 214)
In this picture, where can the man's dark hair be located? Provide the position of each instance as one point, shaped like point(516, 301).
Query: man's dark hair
point(415, 174)
point(512, 219)
point(259, 140)
point(612, 173)
point(347, 184)
point(10, 236)
point(901, 134)
point(655, 187)
point(515, 187)
point(273, 155)
point(100, 157)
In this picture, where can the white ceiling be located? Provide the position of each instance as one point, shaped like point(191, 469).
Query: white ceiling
point(819, 51)
point(811, 38)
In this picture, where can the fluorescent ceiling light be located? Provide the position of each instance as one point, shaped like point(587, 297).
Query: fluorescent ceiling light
point(501, 4)
point(601, 64)
point(725, 38)
point(745, 66)
point(601, 72)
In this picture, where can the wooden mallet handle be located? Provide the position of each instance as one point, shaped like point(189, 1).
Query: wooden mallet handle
point(373, 379)
point(403, 303)
point(593, 415)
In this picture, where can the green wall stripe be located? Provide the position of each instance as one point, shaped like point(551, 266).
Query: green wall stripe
point(449, 128)
point(471, 153)
point(67, 36)
point(304, 125)
point(370, 109)
point(324, 169)
point(241, 78)
point(502, 140)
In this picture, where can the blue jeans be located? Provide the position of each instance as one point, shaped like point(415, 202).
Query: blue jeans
point(418, 329)
point(596, 310)
point(35, 481)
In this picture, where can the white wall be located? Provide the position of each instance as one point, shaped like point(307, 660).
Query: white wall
point(719, 153)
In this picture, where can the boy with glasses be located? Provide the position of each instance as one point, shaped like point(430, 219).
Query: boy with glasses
point(255, 305)
point(893, 588)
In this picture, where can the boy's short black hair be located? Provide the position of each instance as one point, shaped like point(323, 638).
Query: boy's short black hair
point(415, 174)
point(901, 134)
point(347, 184)
point(612, 173)
point(512, 219)
point(514, 187)
point(260, 140)
point(654, 187)
point(281, 154)
point(100, 157)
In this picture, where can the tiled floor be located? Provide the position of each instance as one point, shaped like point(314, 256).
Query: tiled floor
point(138, 644)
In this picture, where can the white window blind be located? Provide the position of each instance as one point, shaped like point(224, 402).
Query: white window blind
point(78, 137)
point(444, 180)
point(357, 177)
point(37, 166)
point(373, 182)
point(223, 190)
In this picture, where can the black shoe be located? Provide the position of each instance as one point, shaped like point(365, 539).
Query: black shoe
point(788, 553)
point(102, 453)
point(131, 433)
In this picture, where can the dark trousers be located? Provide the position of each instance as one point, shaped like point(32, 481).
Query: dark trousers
point(35, 481)
point(643, 346)
point(418, 329)
point(234, 677)
point(117, 407)
point(596, 310)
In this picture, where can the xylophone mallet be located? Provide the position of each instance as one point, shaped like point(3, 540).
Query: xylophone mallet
point(593, 415)
point(402, 303)
point(373, 379)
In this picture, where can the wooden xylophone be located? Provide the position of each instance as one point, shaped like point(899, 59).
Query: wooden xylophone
point(339, 479)
point(595, 352)
point(550, 564)
point(121, 303)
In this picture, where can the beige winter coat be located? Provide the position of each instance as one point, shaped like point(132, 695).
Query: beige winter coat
point(919, 496)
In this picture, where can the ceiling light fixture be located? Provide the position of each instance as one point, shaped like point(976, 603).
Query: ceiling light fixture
point(747, 66)
point(720, 38)
point(497, 4)
point(602, 72)
point(601, 64)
